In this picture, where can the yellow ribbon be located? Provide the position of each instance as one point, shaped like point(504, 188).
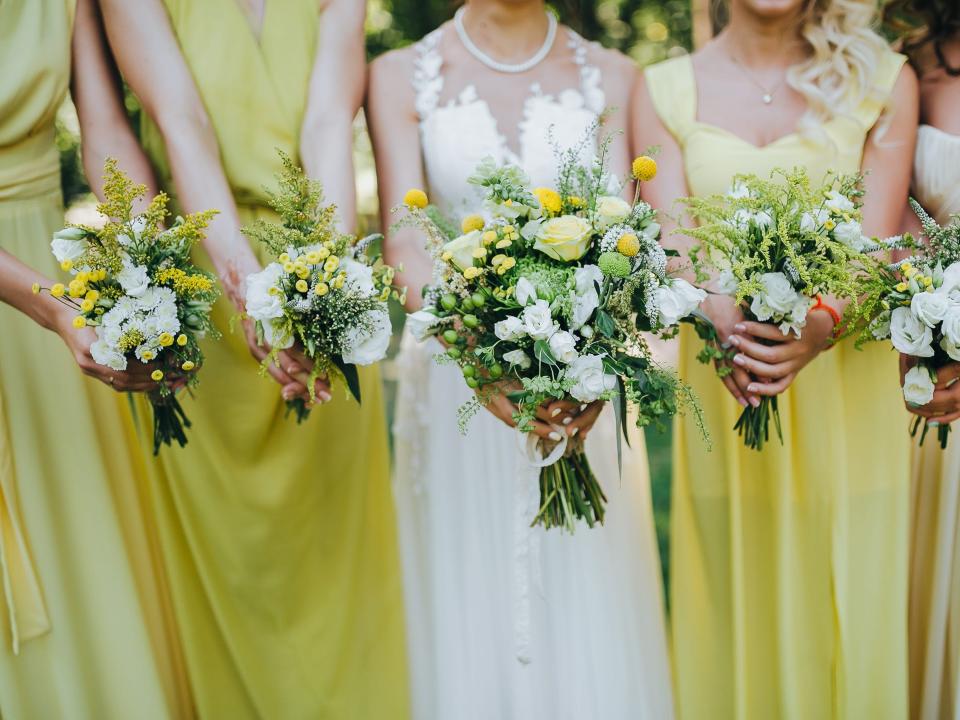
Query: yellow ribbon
point(21, 587)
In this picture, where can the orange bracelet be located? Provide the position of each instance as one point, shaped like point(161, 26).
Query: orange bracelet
point(821, 305)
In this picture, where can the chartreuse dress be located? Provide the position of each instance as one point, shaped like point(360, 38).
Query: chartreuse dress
point(84, 629)
point(280, 538)
point(789, 566)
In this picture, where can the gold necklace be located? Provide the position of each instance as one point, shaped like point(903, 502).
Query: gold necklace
point(768, 93)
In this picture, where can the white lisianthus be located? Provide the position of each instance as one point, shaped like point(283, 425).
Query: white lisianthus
point(812, 221)
point(420, 323)
point(261, 303)
point(461, 248)
point(525, 291)
point(951, 349)
point(518, 358)
point(797, 319)
point(909, 335)
point(727, 282)
point(930, 308)
point(651, 230)
point(583, 308)
point(763, 219)
point(951, 279)
point(591, 381)
point(276, 332)
point(611, 210)
point(918, 386)
point(510, 328)
point(676, 300)
point(68, 245)
point(850, 233)
point(951, 324)
point(587, 278)
point(738, 191)
point(777, 298)
point(565, 238)
point(880, 328)
point(137, 225)
point(359, 276)
point(563, 345)
point(106, 353)
point(839, 203)
point(537, 320)
point(133, 278)
point(365, 346)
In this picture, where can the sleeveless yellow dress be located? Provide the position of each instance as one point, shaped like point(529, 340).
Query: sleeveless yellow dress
point(789, 566)
point(85, 631)
point(280, 538)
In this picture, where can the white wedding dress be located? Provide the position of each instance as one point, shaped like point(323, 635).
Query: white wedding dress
point(506, 622)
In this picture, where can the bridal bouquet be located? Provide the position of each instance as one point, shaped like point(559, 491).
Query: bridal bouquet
point(134, 282)
point(543, 297)
point(776, 246)
point(916, 304)
point(327, 291)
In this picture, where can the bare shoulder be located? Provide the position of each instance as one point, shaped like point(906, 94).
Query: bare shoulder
point(394, 64)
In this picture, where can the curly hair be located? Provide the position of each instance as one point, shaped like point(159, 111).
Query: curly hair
point(925, 23)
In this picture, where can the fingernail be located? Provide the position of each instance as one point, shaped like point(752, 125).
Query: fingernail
point(583, 407)
point(555, 436)
point(325, 396)
point(740, 327)
point(755, 402)
point(291, 369)
point(734, 340)
point(574, 431)
point(751, 388)
point(287, 395)
point(567, 420)
point(556, 411)
point(933, 423)
point(743, 403)
point(739, 360)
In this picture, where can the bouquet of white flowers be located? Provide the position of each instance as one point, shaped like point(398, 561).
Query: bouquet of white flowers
point(544, 297)
point(916, 304)
point(327, 291)
point(776, 246)
point(134, 282)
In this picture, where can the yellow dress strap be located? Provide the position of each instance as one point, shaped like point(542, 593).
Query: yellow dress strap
point(673, 91)
point(887, 73)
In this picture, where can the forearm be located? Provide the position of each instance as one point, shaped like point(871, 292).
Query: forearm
point(404, 248)
point(16, 290)
point(326, 151)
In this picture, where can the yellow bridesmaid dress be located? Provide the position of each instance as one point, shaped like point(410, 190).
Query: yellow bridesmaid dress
point(84, 626)
point(789, 566)
point(280, 538)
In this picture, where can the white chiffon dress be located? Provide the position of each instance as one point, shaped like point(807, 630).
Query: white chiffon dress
point(935, 495)
point(506, 622)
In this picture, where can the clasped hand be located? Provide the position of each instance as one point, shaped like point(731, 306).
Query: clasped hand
point(944, 408)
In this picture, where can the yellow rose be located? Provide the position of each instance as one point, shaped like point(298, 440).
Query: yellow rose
point(565, 238)
point(461, 249)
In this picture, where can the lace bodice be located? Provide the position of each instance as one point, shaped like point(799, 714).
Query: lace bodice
point(936, 172)
point(458, 128)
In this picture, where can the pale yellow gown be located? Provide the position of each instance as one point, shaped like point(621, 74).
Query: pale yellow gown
point(935, 496)
point(789, 566)
point(280, 538)
point(84, 627)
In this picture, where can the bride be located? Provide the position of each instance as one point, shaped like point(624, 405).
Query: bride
point(505, 621)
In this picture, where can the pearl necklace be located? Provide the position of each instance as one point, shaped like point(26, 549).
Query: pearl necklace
point(480, 55)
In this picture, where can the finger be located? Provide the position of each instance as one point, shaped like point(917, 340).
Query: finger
point(906, 362)
point(943, 402)
point(502, 409)
point(566, 408)
point(294, 369)
point(947, 375)
point(763, 330)
point(769, 389)
point(554, 415)
point(321, 390)
point(584, 422)
point(945, 419)
point(743, 379)
point(734, 389)
point(545, 431)
point(762, 369)
point(772, 354)
point(294, 390)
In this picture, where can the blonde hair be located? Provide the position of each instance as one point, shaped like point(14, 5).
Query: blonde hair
point(845, 50)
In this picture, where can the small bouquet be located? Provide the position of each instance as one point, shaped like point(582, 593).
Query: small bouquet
point(543, 297)
point(776, 246)
point(326, 292)
point(135, 284)
point(916, 304)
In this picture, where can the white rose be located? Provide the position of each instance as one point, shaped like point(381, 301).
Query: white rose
point(909, 335)
point(359, 276)
point(67, 247)
point(420, 323)
point(133, 278)
point(951, 324)
point(591, 380)
point(277, 333)
point(611, 210)
point(461, 248)
point(106, 354)
point(587, 278)
point(525, 291)
point(676, 300)
point(812, 221)
point(518, 358)
point(584, 305)
point(563, 345)
point(537, 320)
point(918, 386)
point(930, 307)
point(850, 233)
point(838, 203)
point(509, 328)
point(367, 346)
point(777, 298)
point(261, 303)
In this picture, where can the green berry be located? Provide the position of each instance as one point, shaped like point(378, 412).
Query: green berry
point(496, 372)
point(448, 302)
point(470, 321)
point(478, 299)
point(450, 336)
point(473, 383)
point(469, 371)
point(454, 353)
point(467, 304)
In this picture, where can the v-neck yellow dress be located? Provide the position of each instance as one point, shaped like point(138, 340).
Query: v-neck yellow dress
point(789, 566)
point(280, 538)
point(85, 631)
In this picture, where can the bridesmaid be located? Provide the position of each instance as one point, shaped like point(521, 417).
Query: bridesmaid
point(933, 41)
point(789, 567)
point(85, 626)
point(280, 537)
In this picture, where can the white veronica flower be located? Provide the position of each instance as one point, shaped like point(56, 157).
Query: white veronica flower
point(133, 278)
point(563, 345)
point(525, 291)
point(930, 307)
point(420, 323)
point(518, 358)
point(909, 335)
point(676, 300)
point(537, 320)
point(591, 380)
point(918, 386)
point(261, 304)
point(367, 346)
point(510, 328)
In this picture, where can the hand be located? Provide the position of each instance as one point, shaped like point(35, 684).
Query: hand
point(136, 378)
point(775, 366)
point(560, 413)
point(945, 406)
point(291, 369)
point(725, 314)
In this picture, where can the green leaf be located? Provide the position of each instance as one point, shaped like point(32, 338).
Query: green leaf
point(541, 351)
point(605, 323)
point(350, 374)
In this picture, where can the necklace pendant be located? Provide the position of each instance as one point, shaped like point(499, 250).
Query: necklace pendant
point(767, 98)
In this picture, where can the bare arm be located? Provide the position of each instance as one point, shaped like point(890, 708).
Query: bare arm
point(335, 95)
point(396, 147)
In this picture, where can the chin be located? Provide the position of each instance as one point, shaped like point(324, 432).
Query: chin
point(772, 9)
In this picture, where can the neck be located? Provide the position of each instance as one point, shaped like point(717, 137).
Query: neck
point(507, 31)
point(759, 41)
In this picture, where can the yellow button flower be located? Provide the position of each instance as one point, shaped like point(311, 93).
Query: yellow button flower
point(331, 263)
point(188, 365)
point(506, 266)
point(156, 375)
point(66, 265)
point(472, 273)
point(86, 306)
point(181, 340)
point(79, 322)
point(35, 288)
point(289, 267)
point(93, 295)
point(471, 222)
point(628, 245)
point(322, 289)
point(313, 257)
point(415, 198)
point(338, 283)
point(284, 257)
point(644, 168)
point(549, 199)
point(302, 286)
point(57, 290)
